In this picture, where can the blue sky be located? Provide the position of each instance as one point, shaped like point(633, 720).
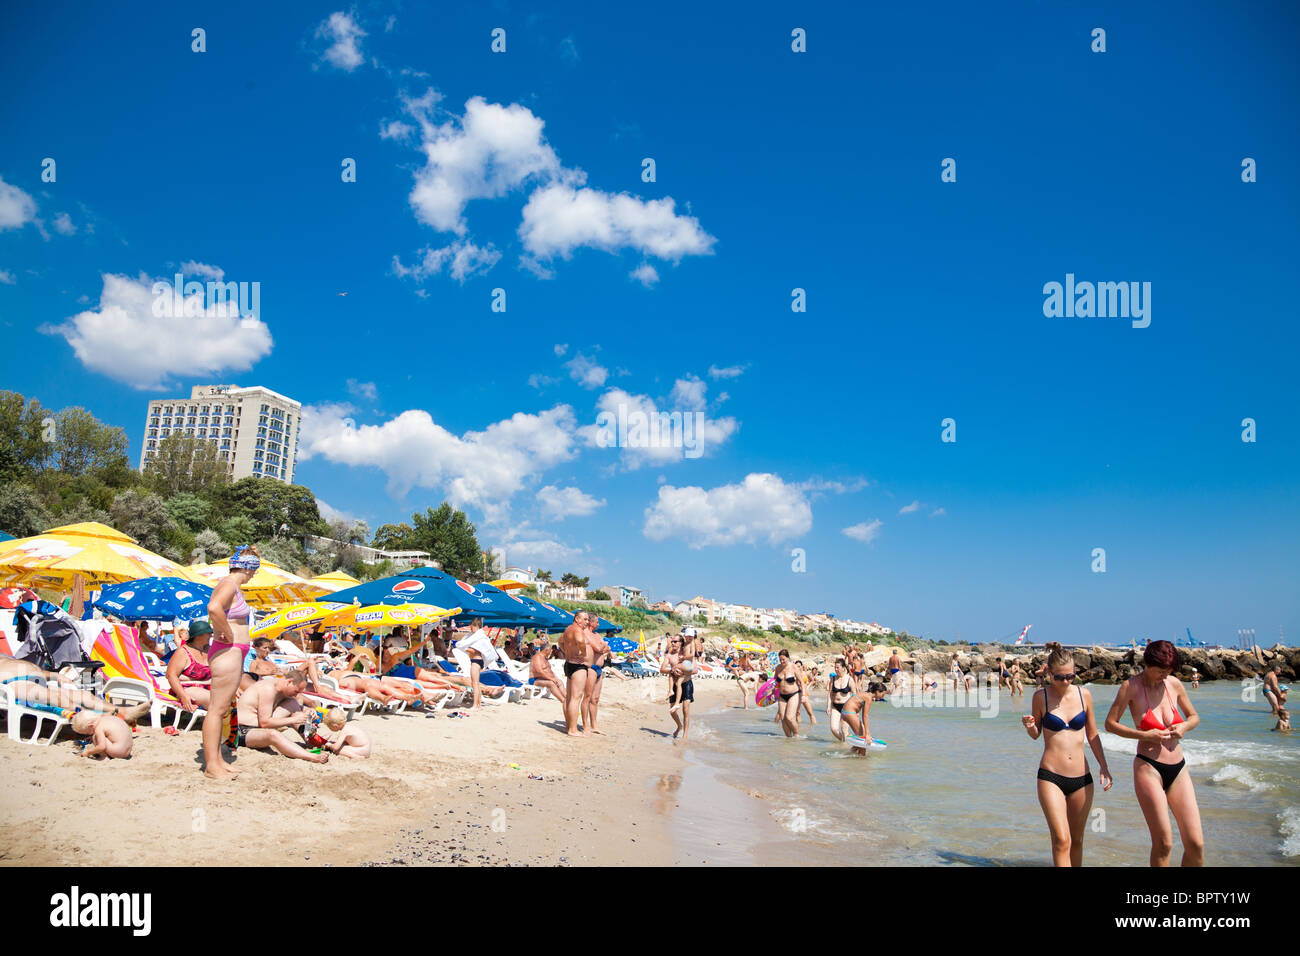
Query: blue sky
point(775, 170)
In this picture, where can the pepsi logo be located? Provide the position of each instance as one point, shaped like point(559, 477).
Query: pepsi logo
point(469, 588)
point(182, 595)
point(126, 595)
point(408, 587)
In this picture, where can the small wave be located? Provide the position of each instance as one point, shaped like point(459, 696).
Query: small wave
point(1200, 753)
point(1231, 773)
point(1289, 824)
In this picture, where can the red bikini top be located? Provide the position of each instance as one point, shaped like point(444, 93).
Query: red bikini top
point(1149, 720)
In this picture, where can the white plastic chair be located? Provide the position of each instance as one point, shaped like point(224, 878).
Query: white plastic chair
point(15, 711)
point(130, 690)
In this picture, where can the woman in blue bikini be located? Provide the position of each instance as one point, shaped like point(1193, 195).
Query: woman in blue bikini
point(1065, 785)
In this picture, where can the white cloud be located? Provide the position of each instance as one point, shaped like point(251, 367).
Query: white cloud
point(16, 207)
point(560, 503)
point(396, 130)
point(908, 509)
point(344, 51)
point(569, 51)
point(63, 224)
point(486, 153)
point(865, 532)
point(586, 372)
point(330, 513)
point(730, 371)
point(559, 218)
point(560, 350)
point(646, 274)
point(539, 551)
point(6, 277)
point(483, 468)
point(462, 256)
point(817, 486)
point(688, 394)
point(762, 508)
point(192, 268)
point(937, 512)
point(538, 380)
point(649, 435)
point(364, 390)
point(125, 340)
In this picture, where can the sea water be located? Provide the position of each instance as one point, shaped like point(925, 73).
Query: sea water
point(958, 788)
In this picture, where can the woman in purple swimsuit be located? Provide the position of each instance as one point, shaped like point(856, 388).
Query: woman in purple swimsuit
point(228, 614)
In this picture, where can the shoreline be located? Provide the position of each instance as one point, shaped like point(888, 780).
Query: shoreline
point(435, 791)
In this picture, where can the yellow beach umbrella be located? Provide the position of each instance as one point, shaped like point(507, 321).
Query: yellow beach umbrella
point(100, 554)
point(748, 646)
point(335, 581)
point(297, 616)
point(508, 584)
point(374, 616)
point(270, 584)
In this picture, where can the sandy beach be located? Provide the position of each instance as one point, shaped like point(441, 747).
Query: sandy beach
point(436, 791)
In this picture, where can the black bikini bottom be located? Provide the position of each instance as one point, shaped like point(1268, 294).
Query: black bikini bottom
point(1067, 785)
point(1168, 771)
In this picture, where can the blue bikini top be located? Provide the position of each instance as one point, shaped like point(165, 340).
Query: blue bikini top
point(1077, 722)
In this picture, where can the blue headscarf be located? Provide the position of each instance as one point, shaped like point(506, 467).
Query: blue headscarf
point(243, 560)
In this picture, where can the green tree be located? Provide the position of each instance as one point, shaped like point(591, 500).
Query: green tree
point(284, 553)
point(184, 464)
point(597, 596)
point(372, 572)
point(450, 538)
point(22, 513)
point(570, 578)
point(393, 537)
point(84, 445)
point(83, 510)
point(209, 547)
point(189, 510)
point(26, 440)
point(143, 516)
point(543, 575)
point(239, 530)
point(274, 507)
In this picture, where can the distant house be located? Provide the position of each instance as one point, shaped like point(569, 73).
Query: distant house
point(621, 594)
point(522, 575)
point(312, 544)
point(662, 606)
point(561, 592)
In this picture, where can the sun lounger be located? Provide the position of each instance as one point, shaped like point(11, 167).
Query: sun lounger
point(14, 706)
point(127, 679)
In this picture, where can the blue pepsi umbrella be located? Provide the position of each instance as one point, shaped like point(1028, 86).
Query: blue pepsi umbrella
point(429, 585)
point(155, 599)
point(621, 645)
point(549, 619)
point(566, 618)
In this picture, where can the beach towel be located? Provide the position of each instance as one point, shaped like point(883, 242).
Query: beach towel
point(118, 649)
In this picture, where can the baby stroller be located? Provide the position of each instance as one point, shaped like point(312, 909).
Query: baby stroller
point(49, 638)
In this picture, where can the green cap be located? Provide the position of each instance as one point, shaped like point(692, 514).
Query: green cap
point(200, 626)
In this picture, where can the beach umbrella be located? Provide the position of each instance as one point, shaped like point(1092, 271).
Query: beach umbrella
point(6, 536)
point(10, 598)
point(747, 646)
point(100, 554)
point(155, 599)
point(335, 581)
point(375, 616)
point(443, 590)
point(621, 645)
point(296, 617)
point(548, 619)
point(508, 584)
point(270, 584)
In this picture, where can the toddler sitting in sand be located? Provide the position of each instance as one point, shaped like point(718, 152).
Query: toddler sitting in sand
point(110, 735)
point(342, 741)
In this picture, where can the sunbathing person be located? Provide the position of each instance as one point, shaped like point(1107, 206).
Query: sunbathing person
point(540, 673)
point(188, 673)
point(110, 735)
point(268, 707)
point(24, 680)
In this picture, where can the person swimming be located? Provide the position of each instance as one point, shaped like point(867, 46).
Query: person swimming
point(1160, 778)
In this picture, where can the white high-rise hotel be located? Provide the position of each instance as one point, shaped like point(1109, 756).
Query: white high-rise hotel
point(255, 429)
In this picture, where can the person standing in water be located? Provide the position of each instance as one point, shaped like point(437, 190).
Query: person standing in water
point(839, 689)
point(895, 668)
point(228, 614)
point(1065, 785)
point(790, 692)
point(1160, 777)
point(854, 715)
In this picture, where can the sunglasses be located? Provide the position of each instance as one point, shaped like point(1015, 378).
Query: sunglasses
point(1063, 677)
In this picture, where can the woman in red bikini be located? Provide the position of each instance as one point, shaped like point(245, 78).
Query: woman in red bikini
point(1065, 785)
point(188, 672)
point(1160, 776)
point(228, 614)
